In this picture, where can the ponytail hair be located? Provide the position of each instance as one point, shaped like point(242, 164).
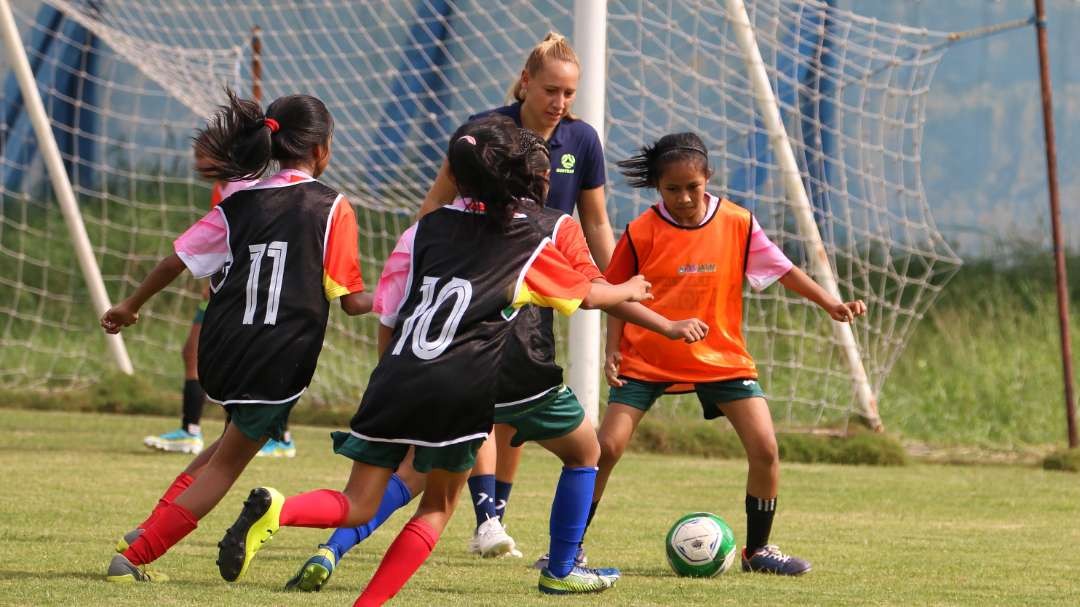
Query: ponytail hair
point(240, 140)
point(554, 47)
point(537, 165)
point(643, 170)
point(488, 166)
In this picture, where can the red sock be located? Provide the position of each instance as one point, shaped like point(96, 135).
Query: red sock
point(323, 509)
point(172, 524)
point(178, 486)
point(402, 559)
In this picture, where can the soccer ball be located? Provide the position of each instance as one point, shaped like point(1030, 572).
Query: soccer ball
point(700, 544)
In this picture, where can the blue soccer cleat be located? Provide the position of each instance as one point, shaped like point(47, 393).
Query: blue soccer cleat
point(177, 441)
point(315, 572)
point(276, 448)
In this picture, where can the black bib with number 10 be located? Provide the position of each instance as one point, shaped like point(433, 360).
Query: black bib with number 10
point(435, 384)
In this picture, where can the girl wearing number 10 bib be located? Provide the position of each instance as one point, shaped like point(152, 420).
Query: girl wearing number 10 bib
point(277, 253)
point(473, 264)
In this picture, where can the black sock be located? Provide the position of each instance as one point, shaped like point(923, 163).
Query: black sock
point(588, 521)
point(592, 513)
point(759, 517)
point(194, 397)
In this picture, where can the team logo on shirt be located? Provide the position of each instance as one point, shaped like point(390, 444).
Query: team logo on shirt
point(697, 268)
point(567, 161)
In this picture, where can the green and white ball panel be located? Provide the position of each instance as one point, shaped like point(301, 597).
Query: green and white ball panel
point(700, 544)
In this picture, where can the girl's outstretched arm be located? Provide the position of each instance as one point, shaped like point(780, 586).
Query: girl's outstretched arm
point(596, 226)
point(126, 312)
point(689, 330)
point(605, 295)
point(798, 281)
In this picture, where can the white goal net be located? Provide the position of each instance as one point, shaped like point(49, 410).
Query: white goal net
point(126, 83)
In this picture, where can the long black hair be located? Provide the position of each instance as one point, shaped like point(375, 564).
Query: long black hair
point(643, 170)
point(537, 164)
point(240, 140)
point(488, 166)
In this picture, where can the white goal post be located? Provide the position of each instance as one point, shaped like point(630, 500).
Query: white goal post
point(800, 203)
point(583, 368)
point(65, 195)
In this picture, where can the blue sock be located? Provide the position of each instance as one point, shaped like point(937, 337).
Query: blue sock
point(502, 497)
point(482, 488)
point(397, 495)
point(573, 496)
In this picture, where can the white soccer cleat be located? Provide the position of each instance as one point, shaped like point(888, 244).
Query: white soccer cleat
point(491, 540)
point(514, 552)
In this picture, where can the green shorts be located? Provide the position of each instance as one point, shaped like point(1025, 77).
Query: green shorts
point(200, 313)
point(258, 420)
point(457, 457)
point(554, 414)
point(642, 394)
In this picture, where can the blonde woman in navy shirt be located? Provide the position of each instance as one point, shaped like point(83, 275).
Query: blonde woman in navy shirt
point(543, 96)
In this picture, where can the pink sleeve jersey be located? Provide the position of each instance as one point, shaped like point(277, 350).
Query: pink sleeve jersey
point(765, 263)
point(204, 247)
point(394, 279)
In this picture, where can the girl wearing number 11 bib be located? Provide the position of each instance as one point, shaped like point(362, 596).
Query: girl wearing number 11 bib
point(277, 254)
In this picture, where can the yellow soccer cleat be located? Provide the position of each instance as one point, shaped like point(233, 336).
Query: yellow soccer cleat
point(128, 539)
point(257, 523)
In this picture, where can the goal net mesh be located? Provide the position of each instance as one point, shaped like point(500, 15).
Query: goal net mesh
point(127, 82)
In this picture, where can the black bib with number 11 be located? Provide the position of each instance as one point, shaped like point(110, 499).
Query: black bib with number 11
point(266, 320)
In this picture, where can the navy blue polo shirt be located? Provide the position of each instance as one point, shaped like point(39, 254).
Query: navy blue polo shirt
point(577, 158)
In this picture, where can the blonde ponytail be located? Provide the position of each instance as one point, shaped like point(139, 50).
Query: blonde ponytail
point(554, 47)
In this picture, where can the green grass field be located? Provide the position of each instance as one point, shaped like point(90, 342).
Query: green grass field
point(915, 535)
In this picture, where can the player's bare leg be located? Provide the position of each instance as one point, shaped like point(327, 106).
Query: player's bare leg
point(752, 421)
point(617, 428)
point(506, 465)
point(230, 455)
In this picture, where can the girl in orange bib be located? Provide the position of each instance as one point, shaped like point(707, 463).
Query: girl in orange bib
point(696, 249)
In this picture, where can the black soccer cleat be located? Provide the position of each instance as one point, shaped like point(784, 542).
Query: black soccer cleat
point(257, 523)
